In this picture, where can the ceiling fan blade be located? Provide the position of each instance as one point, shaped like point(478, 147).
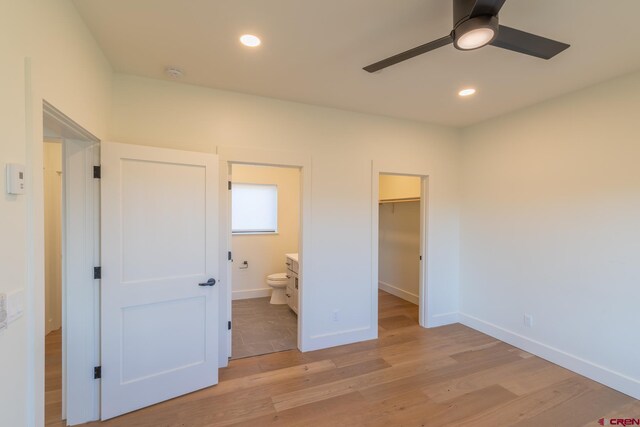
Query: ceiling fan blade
point(527, 43)
point(486, 7)
point(392, 60)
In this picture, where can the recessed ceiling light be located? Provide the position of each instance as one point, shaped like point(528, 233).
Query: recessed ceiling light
point(250, 40)
point(467, 92)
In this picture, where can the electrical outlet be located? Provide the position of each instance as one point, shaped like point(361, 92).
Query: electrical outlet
point(335, 316)
point(3, 312)
point(528, 320)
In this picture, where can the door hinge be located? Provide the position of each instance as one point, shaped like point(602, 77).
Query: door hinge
point(229, 325)
point(97, 372)
point(229, 184)
point(97, 170)
point(229, 256)
point(97, 272)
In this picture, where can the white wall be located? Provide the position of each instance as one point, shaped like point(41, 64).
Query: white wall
point(342, 146)
point(69, 71)
point(551, 227)
point(265, 253)
point(53, 235)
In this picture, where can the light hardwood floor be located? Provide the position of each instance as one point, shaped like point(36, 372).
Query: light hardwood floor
point(410, 376)
point(53, 377)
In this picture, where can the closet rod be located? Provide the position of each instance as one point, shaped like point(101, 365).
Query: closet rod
point(409, 199)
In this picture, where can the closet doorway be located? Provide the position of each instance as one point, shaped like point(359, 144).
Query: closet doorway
point(400, 228)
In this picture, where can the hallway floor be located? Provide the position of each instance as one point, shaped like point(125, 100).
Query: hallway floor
point(53, 378)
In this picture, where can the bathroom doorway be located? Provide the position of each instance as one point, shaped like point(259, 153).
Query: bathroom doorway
point(400, 208)
point(264, 269)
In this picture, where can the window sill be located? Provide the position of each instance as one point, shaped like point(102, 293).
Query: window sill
point(254, 233)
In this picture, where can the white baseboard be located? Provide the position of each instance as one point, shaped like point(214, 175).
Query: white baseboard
point(394, 290)
point(251, 293)
point(615, 380)
point(442, 319)
point(333, 339)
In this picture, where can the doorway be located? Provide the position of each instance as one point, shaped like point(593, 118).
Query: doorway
point(264, 274)
point(401, 238)
point(71, 250)
point(52, 172)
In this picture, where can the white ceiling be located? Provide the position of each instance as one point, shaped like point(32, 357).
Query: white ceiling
point(313, 51)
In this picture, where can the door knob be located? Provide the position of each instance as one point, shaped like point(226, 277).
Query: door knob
point(209, 282)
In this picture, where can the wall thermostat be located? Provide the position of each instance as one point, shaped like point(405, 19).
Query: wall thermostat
point(15, 178)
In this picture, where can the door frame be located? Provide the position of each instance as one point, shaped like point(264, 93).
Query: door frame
point(80, 242)
point(250, 156)
point(381, 168)
point(37, 110)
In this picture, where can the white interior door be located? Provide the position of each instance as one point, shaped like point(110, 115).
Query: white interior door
point(159, 252)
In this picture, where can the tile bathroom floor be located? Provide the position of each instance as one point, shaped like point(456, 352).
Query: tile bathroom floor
point(260, 328)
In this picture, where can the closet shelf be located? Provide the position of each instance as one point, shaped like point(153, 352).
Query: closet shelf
point(408, 199)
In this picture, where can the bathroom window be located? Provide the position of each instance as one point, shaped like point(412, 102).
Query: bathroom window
point(254, 208)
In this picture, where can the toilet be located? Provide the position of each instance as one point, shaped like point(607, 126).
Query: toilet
point(278, 283)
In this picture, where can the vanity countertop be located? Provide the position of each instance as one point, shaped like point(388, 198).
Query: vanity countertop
point(293, 257)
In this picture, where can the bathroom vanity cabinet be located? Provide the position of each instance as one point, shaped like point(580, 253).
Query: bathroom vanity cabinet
point(293, 282)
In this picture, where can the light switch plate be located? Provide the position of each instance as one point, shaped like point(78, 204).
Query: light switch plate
point(3, 312)
point(15, 305)
point(528, 320)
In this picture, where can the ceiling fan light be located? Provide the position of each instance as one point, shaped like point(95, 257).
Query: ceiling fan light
point(475, 38)
point(475, 32)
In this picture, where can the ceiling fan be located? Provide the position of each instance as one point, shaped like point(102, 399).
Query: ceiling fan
point(475, 24)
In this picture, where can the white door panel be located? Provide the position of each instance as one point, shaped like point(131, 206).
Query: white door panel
point(159, 244)
point(176, 233)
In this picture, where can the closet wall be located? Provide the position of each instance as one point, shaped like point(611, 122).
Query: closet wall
point(399, 236)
